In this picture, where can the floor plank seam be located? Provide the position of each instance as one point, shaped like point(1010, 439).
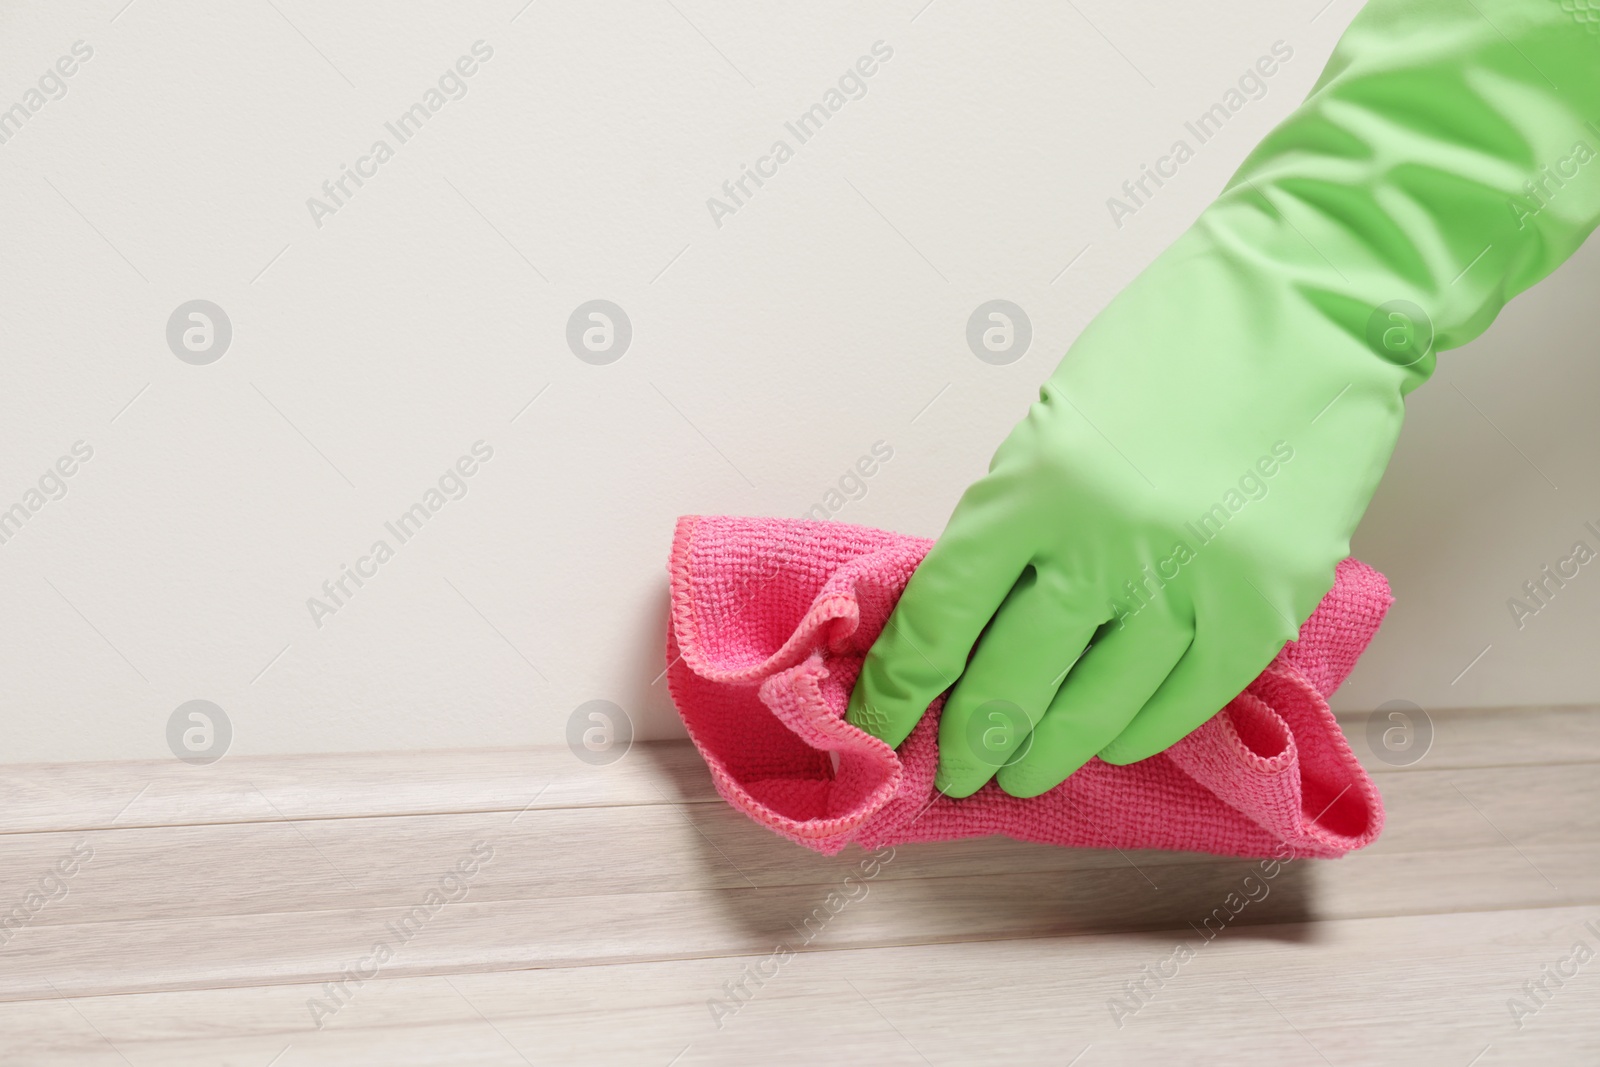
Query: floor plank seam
point(22, 832)
point(645, 961)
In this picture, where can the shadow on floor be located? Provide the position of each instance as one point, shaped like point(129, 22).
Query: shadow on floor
point(977, 889)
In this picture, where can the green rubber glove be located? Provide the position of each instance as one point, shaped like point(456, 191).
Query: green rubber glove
point(1172, 508)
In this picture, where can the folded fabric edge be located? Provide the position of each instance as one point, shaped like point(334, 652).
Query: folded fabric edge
point(1367, 795)
point(686, 622)
point(823, 733)
point(829, 834)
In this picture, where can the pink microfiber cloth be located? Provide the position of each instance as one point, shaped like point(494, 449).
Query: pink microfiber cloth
point(771, 619)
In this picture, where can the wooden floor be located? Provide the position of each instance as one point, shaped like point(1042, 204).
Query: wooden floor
point(277, 913)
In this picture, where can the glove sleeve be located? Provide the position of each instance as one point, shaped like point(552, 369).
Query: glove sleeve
point(1449, 156)
point(1447, 159)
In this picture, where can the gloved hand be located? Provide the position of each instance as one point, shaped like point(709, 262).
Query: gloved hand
point(1172, 508)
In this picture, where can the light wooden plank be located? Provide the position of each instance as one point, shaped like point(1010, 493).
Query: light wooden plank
point(609, 871)
point(1492, 737)
point(1414, 990)
point(1526, 804)
point(89, 796)
point(158, 872)
point(83, 796)
point(202, 950)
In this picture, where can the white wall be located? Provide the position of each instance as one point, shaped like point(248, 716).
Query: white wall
point(768, 353)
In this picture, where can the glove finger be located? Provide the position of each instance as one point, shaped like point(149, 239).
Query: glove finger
point(1034, 638)
point(1102, 694)
point(1226, 656)
point(949, 600)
